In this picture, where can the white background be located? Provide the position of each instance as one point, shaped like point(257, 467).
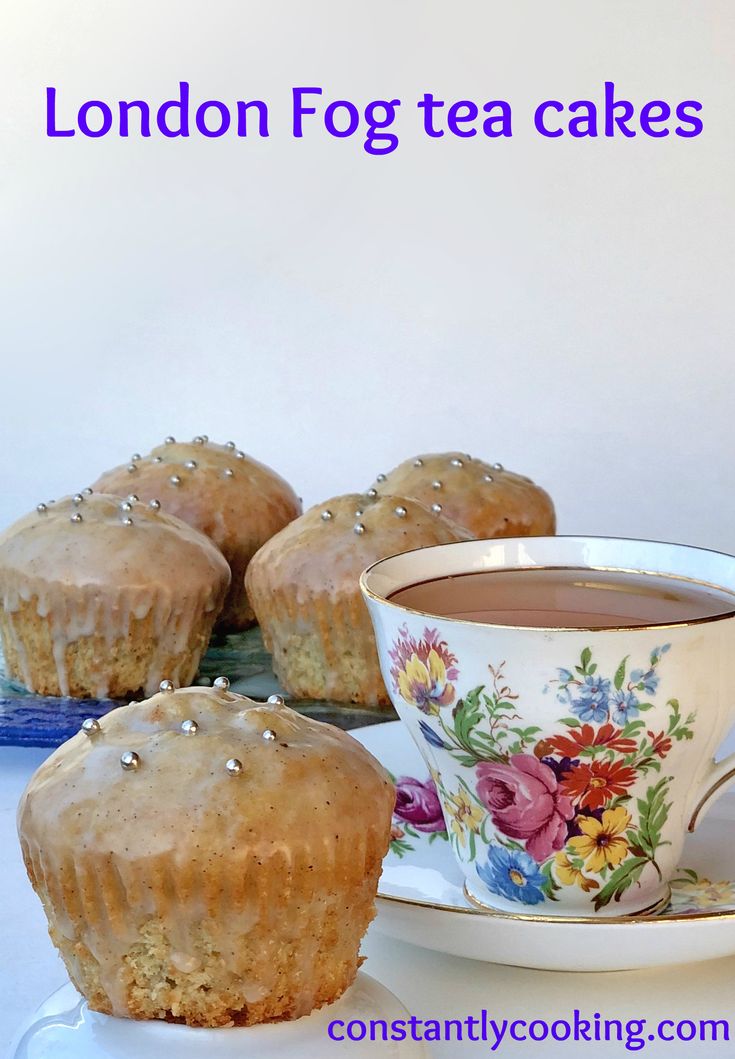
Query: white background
point(564, 306)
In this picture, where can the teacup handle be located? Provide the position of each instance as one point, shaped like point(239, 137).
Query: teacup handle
point(720, 775)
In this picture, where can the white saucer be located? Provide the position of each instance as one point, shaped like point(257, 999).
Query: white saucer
point(65, 1028)
point(422, 901)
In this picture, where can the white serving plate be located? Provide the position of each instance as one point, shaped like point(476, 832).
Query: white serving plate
point(65, 1028)
point(421, 898)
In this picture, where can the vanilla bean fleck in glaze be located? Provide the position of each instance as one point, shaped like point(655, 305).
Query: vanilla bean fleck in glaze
point(228, 877)
point(106, 605)
point(236, 501)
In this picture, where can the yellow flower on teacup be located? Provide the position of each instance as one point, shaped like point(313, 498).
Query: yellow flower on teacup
point(464, 814)
point(601, 842)
point(568, 875)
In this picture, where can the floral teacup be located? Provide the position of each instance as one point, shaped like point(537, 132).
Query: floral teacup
point(569, 763)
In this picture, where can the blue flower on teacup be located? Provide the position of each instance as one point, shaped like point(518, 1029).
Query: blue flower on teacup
point(512, 874)
point(592, 699)
point(625, 706)
point(644, 680)
point(431, 737)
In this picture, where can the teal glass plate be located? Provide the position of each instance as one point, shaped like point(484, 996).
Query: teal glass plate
point(27, 719)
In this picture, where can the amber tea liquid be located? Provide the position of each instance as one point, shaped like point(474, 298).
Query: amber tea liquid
point(566, 598)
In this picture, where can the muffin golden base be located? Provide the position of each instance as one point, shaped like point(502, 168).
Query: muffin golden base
point(266, 937)
point(93, 666)
point(332, 655)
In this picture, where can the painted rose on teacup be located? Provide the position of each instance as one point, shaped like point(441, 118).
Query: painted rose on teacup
point(525, 801)
point(418, 804)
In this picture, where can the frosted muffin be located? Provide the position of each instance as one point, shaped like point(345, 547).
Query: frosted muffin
point(207, 859)
point(236, 501)
point(303, 585)
point(485, 498)
point(101, 597)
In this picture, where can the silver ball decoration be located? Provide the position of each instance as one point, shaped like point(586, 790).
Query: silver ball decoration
point(77, 499)
point(127, 521)
point(198, 440)
point(498, 467)
point(359, 513)
point(233, 766)
point(91, 726)
point(418, 462)
point(88, 491)
point(154, 505)
point(129, 760)
point(169, 440)
point(228, 472)
point(156, 459)
point(189, 727)
point(76, 518)
point(126, 506)
point(230, 446)
point(175, 480)
point(132, 468)
point(380, 478)
point(222, 684)
point(358, 528)
point(457, 462)
point(269, 735)
point(191, 465)
point(436, 485)
point(240, 454)
point(436, 508)
point(326, 516)
point(135, 457)
point(276, 700)
point(372, 493)
point(401, 511)
point(41, 509)
point(488, 478)
point(133, 498)
point(167, 687)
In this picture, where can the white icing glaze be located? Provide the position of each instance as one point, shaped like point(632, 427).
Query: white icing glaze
point(485, 498)
point(93, 578)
